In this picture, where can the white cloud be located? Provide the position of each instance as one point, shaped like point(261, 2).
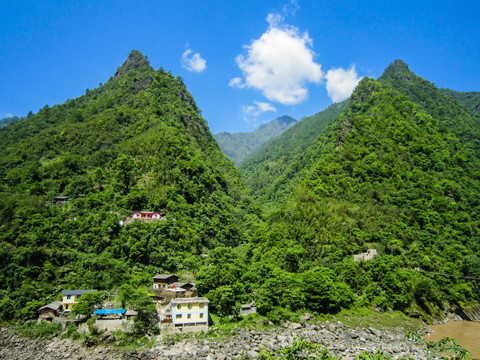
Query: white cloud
point(280, 63)
point(251, 112)
point(291, 8)
point(236, 82)
point(9, 115)
point(341, 83)
point(193, 62)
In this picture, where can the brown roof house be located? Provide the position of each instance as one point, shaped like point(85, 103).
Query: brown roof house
point(50, 311)
point(162, 281)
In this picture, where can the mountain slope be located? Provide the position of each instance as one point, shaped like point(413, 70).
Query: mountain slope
point(269, 173)
point(386, 175)
point(135, 143)
point(470, 100)
point(238, 146)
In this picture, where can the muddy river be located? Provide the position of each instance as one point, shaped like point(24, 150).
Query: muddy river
point(465, 333)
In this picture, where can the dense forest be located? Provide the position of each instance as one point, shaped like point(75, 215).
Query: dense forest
point(239, 146)
point(271, 171)
point(395, 168)
point(135, 143)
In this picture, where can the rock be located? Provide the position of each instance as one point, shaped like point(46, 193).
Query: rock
point(332, 327)
point(375, 332)
point(294, 326)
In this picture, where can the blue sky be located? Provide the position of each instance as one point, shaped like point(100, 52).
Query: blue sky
point(245, 62)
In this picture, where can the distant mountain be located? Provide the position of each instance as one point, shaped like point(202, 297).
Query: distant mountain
point(271, 170)
point(238, 146)
point(9, 120)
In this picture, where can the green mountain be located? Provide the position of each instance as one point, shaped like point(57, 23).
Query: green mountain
point(470, 100)
point(9, 120)
point(270, 172)
point(397, 171)
point(238, 146)
point(73, 172)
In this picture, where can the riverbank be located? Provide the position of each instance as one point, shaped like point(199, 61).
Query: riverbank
point(465, 333)
point(342, 341)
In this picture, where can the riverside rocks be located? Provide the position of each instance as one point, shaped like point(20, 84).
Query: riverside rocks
point(342, 341)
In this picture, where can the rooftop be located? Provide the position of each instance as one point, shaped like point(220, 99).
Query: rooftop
point(54, 306)
point(109, 311)
point(163, 276)
point(76, 292)
point(190, 300)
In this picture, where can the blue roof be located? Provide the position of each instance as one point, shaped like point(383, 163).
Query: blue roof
point(109, 311)
point(76, 292)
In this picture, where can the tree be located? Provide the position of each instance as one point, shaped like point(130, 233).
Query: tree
point(87, 303)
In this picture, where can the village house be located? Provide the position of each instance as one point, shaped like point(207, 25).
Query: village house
point(70, 298)
point(370, 254)
point(147, 215)
point(50, 311)
point(189, 314)
point(162, 281)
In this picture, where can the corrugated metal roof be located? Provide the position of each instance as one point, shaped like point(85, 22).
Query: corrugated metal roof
point(76, 292)
point(109, 311)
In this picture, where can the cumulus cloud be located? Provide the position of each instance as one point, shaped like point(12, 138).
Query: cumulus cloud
point(193, 62)
point(341, 83)
point(9, 115)
point(280, 63)
point(251, 112)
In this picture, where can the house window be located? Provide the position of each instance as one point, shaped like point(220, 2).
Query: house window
point(201, 315)
point(179, 306)
point(179, 316)
point(202, 306)
point(66, 306)
point(189, 306)
point(69, 297)
point(189, 316)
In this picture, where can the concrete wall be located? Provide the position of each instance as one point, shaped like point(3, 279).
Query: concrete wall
point(112, 325)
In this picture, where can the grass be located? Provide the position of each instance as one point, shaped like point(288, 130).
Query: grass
point(365, 317)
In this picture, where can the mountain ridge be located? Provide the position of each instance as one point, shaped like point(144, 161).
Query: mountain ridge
point(239, 146)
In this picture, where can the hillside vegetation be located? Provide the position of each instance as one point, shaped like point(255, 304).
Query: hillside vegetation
point(398, 172)
point(238, 146)
point(135, 143)
point(274, 168)
point(395, 168)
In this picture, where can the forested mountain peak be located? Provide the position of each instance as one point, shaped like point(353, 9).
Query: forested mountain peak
point(135, 143)
point(398, 70)
point(134, 60)
point(282, 121)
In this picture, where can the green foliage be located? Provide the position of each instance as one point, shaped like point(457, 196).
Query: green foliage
point(87, 303)
point(41, 330)
point(272, 170)
point(393, 172)
point(137, 142)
